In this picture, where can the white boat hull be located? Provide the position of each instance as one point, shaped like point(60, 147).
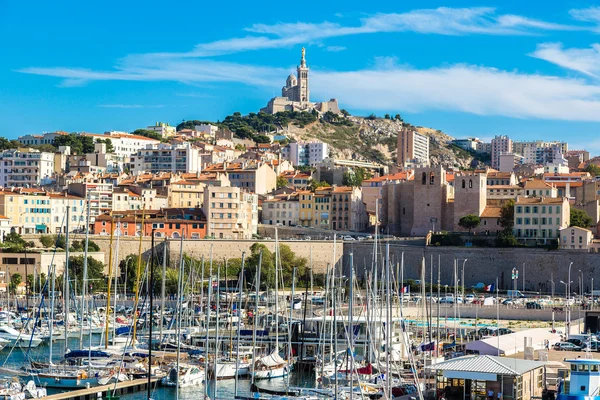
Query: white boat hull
point(227, 370)
point(278, 372)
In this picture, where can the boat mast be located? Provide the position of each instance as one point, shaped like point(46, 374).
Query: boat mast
point(110, 266)
point(116, 281)
point(257, 287)
point(289, 344)
point(218, 303)
point(276, 291)
point(137, 278)
point(351, 324)
point(52, 273)
point(151, 295)
point(66, 280)
point(239, 314)
point(85, 266)
point(162, 290)
point(179, 307)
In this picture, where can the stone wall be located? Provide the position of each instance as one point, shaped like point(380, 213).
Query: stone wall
point(322, 250)
point(487, 264)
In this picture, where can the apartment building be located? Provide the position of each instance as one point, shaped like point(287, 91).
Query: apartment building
point(500, 145)
point(297, 179)
point(28, 210)
point(281, 210)
point(124, 144)
point(348, 212)
point(541, 152)
point(26, 168)
point(305, 153)
point(538, 188)
point(186, 194)
point(495, 178)
point(230, 213)
point(58, 212)
point(540, 218)
point(170, 223)
point(413, 149)
point(179, 158)
point(305, 211)
point(99, 192)
point(575, 238)
point(36, 140)
point(504, 192)
point(256, 177)
point(125, 200)
point(163, 129)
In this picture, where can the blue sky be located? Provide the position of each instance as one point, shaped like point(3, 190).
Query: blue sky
point(528, 69)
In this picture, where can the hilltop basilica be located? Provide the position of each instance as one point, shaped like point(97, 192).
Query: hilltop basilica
point(295, 95)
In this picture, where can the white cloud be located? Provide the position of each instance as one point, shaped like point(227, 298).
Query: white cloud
point(586, 61)
point(335, 49)
point(440, 21)
point(591, 14)
point(130, 106)
point(458, 88)
point(463, 88)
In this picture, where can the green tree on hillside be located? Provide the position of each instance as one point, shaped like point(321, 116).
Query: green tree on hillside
point(147, 133)
point(15, 281)
point(95, 271)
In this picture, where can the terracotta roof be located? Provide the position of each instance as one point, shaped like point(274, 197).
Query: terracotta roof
point(504, 187)
point(390, 177)
point(342, 189)
point(570, 174)
point(564, 184)
point(536, 184)
point(539, 200)
point(491, 212)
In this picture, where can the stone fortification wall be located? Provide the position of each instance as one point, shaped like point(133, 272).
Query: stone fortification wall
point(487, 264)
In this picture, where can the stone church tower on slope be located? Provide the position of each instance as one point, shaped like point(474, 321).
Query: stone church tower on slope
point(295, 95)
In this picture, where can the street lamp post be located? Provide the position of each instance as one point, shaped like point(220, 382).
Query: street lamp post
point(515, 279)
point(566, 312)
point(569, 300)
point(523, 277)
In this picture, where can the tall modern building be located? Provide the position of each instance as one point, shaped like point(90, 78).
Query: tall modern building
point(500, 145)
point(413, 149)
point(541, 152)
point(305, 153)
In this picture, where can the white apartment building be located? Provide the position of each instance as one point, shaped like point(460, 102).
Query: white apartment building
point(413, 149)
point(541, 152)
point(500, 145)
point(207, 129)
point(575, 238)
point(100, 195)
point(58, 212)
point(36, 140)
point(281, 210)
point(25, 167)
point(163, 129)
point(305, 153)
point(230, 213)
point(540, 218)
point(180, 158)
point(124, 144)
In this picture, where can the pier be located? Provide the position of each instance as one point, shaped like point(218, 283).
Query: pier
point(97, 392)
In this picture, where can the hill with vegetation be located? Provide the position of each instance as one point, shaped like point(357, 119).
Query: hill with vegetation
point(369, 138)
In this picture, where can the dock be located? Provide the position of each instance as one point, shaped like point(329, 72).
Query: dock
point(97, 392)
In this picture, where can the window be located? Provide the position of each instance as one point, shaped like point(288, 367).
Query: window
point(519, 221)
point(527, 221)
point(463, 183)
point(519, 209)
point(431, 178)
point(535, 209)
point(423, 181)
point(558, 209)
point(470, 183)
point(527, 210)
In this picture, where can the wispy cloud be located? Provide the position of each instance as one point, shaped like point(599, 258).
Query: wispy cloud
point(590, 14)
point(130, 106)
point(586, 61)
point(335, 49)
point(439, 21)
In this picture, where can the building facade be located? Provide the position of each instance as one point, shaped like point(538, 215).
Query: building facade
point(25, 168)
point(413, 149)
point(179, 158)
point(540, 218)
point(282, 210)
point(305, 153)
point(500, 145)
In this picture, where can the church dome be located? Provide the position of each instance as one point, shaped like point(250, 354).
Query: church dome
point(291, 80)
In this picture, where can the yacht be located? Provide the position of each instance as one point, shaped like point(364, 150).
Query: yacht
point(188, 375)
point(16, 338)
point(583, 383)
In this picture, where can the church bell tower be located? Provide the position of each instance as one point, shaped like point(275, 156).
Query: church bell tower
point(303, 92)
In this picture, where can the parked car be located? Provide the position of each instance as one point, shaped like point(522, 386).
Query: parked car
point(566, 346)
point(532, 305)
point(349, 238)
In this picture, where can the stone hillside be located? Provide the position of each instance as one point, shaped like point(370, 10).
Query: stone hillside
point(375, 140)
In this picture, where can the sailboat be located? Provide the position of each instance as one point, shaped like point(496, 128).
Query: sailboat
point(273, 365)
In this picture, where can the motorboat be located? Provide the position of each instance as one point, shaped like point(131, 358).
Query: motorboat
point(186, 376)
point(17, 338)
